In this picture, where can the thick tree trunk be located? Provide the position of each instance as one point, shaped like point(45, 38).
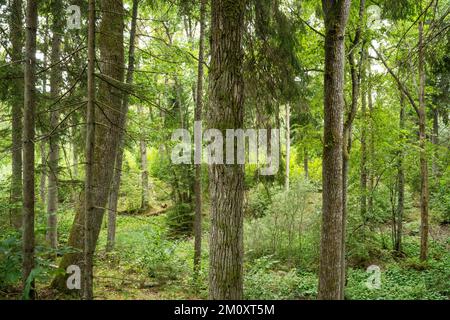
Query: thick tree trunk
point(423, 154)
point(107, 128)
point(336, 16)
point(16, 37)
point(198, 167)
point(226, 111)
point(55, 83)
point(28, 142)
point(114, 193)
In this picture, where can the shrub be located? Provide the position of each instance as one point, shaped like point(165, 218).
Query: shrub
point(290, 229)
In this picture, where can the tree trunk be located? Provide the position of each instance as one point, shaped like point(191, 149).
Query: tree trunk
point(363, 170)
point(114, 193)
point(435, 141)
point(55, 83)
point(144, 169)
point(400, 181)
point(107, 128)
point(28, 143)
point(371, 177)
point(336, 16)
point(423, 155)
point(89, 188)
point(198, 166)
point(16, 36)
point(226, 111)
point(43, 177)
point(355, 72)
point(288, 145)
point(43, 143)
point(305, 163)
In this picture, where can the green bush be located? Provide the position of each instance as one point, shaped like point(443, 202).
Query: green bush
point(146, 248)
point(258, 201)
point(290, 229)
point(10, 260)
point(180, 219)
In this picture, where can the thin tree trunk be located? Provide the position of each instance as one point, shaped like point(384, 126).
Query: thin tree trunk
point(198, 167)
point(16, 36)
point(28, 143)
point(363, 170)
point(336, 16)
point(144, 169)
point(89, 190)
point(356, 72)
point(423, 155)
point(400, 182)
point(55, 83)
point(43, 143)
point(371, 176)
point(226, 111)
point(421, 113)
point(435, 141)
point(288, 145)
point(43, 178)
point(305, 163)
point(114, 193)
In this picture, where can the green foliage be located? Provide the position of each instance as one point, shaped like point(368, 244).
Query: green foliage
point(148, 249)
point(10, 260)
point(289, 230)
point(440, 199)
point(400, 284)
point(258, 201)
point(263, 283)
point(180, 219)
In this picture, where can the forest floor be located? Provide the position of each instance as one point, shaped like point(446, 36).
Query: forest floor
point(149, 265)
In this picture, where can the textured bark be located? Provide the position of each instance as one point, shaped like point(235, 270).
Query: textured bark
point(114, 193)
point(336, 16)
point(55, 84)
point(108, 116)
point(16, 37)
point(226, 111)
point(198, 167)
point(28, 142)
point(89, 189)
point(423, 155)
